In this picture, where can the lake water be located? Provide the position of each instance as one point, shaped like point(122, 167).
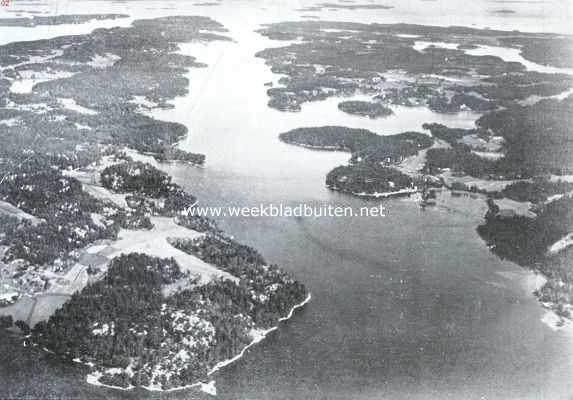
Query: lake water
point(408, 306)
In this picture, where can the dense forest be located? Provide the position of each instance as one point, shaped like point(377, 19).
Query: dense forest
point(527, 241)
point(359, 142)
point(452, 136)
point(134, 330)
point(369, 170)
point(64, 209)
point(50, 137)
point(365, 108)
point(368, 179)
point(538, 137)
point(143, 179)
point(144, 322)
point(537, 141)
point(536, 191)
point(65, 212)
point(175, 154)
point(136, 335)
point(460, 159)
point(271, 290)
point(338, 58)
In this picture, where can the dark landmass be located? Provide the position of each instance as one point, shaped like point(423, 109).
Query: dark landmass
point(538, 137)
point(58, 19)
point(537, 191)
point(127, 321)
point(554, 51)
point(514, 139)
point(341, 58)
point(143, 179)
point(452, 136)
point(365, 108)
point(138, 61)
point(537, 140)
point(39, 188)
point(52, 141)
point(331, 138)
point(372, 155)
point(363, 144)
point(528, 242)
point(518, 138)
point(467, 46)
point(141, 320)
point(354, 6)
point(503, 11)
point(341, 6)
point(49, 375)
point(366, 179)
point(461, 160)
point(175, 154)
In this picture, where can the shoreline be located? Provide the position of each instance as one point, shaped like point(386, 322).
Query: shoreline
point(209, 388)
point(319, 148)
point(378, 195)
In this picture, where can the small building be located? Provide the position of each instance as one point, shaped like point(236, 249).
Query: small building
point(8, 298)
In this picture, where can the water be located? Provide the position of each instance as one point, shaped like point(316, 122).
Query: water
point(409, 306)
point(513, 55)
point(12, 34)
point(229, 97)
point(396, 315)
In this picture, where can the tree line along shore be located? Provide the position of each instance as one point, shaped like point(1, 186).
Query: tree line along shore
point(519, 153)
point(139, 319)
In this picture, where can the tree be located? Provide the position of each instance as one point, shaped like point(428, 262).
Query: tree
point(6, 321)
point(23, 326)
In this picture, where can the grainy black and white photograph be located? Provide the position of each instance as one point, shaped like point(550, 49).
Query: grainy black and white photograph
point(286, 199)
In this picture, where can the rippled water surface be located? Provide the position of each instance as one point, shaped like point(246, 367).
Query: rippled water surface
point(410, 306)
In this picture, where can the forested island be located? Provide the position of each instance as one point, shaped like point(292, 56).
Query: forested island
point(369, 171)
point(365, 108)
point(342, 58)
point(131, 287)
point(519, 155)
point(516, 138)
point(366, 179)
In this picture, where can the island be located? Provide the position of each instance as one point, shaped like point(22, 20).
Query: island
point(369, 172)
point(365, 108)
point(518, 158)
point(411, 65)
point(341, 6)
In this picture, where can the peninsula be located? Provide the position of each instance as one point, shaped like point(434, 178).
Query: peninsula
point(102, 265)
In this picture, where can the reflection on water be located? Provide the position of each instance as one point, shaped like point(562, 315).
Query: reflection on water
point(410, 306)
